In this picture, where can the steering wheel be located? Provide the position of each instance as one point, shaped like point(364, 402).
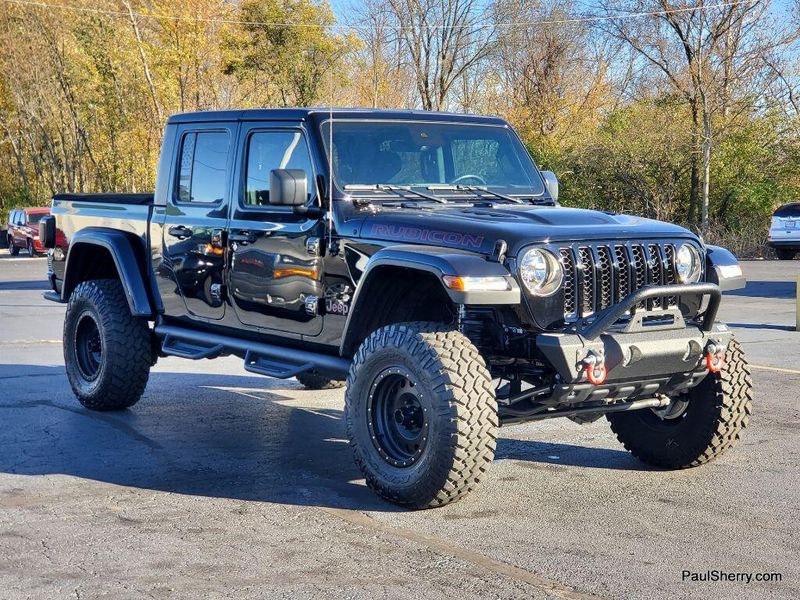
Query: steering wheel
point(469, 176)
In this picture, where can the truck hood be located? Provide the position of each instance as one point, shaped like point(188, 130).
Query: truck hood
point(479, 228)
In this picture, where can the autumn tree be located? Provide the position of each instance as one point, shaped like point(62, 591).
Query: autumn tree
point(285, 50)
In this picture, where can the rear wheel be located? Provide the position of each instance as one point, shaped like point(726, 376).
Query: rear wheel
point(107, 351)
point(13, 250)
point(314, 381)
point(785, 254)
point(696, 427)
point(421, 414)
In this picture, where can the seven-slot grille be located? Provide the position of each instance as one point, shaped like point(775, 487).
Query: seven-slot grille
point(598, 275)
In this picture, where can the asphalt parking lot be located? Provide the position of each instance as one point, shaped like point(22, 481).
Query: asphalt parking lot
point(221, 484)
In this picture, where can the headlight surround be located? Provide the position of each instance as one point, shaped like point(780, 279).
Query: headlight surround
point(688, 266)
point(540, 272)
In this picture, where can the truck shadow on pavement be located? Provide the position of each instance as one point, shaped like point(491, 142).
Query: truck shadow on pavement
point(765, 289)
point(34, 284)
point(226, 436)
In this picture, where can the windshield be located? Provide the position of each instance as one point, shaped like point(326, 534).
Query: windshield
point(427, 155)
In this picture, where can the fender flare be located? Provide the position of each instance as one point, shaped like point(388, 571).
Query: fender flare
point(119, 246)
point(438, 262)
point(722, 268)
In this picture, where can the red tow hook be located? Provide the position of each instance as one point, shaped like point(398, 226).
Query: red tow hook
point(596, 371)
point(715, 358)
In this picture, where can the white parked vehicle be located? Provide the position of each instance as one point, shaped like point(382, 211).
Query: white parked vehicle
point(784, 231)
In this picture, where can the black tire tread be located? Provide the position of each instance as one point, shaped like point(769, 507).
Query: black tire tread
point(463, 382)
point(127, 351)
point(726, 416)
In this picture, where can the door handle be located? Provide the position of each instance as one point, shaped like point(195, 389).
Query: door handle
point(180, 231)
point(242, 237)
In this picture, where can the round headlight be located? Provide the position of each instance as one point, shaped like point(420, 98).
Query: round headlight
point(687, 264)
point(540, 272)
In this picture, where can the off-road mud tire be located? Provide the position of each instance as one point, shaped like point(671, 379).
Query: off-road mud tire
point(314, 381)
point(718, 411)
point(125, 356)
point(458, 399)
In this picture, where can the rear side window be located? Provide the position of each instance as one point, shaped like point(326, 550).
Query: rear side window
point(267, 150)
point(788, 210)
point(203, 167)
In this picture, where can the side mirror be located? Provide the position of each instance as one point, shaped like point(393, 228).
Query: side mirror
point(47, 231)
point(288, 187)
point(551, 183)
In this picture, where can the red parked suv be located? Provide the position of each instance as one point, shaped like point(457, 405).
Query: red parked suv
point(23, 230)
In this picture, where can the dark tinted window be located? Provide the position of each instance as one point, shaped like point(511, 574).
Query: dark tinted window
point(202, 175)
point(269, 150)
point(34, 218)
point(788, 210)
point(430, 154)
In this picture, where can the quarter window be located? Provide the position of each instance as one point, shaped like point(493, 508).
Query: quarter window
point(203, 167)
point(268, 150)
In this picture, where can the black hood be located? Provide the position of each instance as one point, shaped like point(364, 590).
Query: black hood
point(479, 228)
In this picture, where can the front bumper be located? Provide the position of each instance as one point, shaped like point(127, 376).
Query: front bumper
point(651, 352)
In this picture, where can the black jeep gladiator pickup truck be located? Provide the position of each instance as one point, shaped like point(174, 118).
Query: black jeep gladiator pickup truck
point(421, 256)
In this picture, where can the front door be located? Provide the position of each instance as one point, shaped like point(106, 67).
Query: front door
point(275, 277)
point(196, 217)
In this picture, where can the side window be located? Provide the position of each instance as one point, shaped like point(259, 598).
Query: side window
point(202, 174)
point(267, 150)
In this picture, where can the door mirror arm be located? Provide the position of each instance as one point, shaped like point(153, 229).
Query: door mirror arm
point(309, 211)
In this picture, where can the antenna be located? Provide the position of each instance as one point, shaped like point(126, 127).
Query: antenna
point(330, 160)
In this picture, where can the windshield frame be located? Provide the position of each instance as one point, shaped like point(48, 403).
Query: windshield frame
point(516, 142)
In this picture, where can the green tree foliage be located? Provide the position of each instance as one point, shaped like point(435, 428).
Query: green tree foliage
point(290, 61)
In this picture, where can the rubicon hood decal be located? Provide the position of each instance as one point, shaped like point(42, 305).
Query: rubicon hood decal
point(432, 236)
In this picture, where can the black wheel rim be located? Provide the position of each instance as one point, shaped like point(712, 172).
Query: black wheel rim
point(88, 347)
point(397, 416)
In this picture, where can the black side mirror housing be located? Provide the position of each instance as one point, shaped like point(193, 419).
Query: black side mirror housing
point(47, 231)
point(288, 187)
point(551, 182)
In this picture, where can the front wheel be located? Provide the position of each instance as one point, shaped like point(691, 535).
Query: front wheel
point(107, 351)
point(421, 414)
point(696, 427)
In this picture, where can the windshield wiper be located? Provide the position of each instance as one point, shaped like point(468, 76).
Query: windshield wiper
point(397, 189)
point(476, 190)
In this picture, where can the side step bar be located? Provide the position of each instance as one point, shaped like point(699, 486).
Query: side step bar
point(261, 358)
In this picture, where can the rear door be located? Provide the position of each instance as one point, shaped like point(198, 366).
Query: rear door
point(12, 227)
point(196, 216)
point(275, 269)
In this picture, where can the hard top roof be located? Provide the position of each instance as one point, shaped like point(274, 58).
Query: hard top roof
point(298, 114)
